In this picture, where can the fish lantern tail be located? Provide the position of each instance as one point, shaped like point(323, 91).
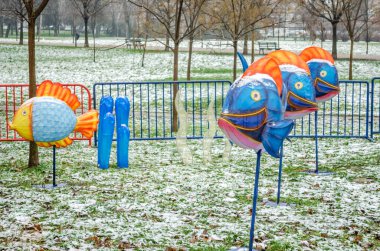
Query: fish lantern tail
point(87, 123)
point(274, 134)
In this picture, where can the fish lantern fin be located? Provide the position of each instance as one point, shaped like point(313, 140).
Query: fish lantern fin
point(243, 61)
point(60, 143)
point(269, 66)
point(56, 90)
point(314, 52)
point(284, 57)
point(87, 123)
point(274, 134)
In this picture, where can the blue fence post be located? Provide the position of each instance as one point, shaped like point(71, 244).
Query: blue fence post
point(316, 140)
point(372, 106)
point(122, 107)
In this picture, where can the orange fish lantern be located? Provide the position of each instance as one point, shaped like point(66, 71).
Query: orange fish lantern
point(48, 119)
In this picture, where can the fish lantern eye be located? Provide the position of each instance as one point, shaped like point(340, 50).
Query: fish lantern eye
point(298, 85)
point(255, 95)
point(24, 113)
point(323, 73)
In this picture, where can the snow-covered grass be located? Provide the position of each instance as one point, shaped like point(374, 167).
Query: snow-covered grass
point(158, 203)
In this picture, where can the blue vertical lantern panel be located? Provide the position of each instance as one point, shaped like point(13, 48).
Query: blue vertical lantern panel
point(122, 107)
point(105, 131)
point(105, 140)
point(123, 135)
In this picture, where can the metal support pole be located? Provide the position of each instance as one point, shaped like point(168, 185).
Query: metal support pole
point(279, 175)
point(316, 140)
point(255, 195)
point(54, 183)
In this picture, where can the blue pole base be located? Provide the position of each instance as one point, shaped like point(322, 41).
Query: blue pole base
point(321, 173)
point(274, 204)
point(50, 186)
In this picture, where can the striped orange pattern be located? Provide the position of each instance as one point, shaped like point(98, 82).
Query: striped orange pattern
point(56, 90)
point(314, 52)
point(60, 143)
point(288, 57)
point(87, 123)
point(266, 65)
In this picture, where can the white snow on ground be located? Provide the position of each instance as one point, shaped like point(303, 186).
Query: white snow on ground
point(158, 202)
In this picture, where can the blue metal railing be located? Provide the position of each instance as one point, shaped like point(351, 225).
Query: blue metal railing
point(345, 116)
point(152, 105)
point(375, 106)
point(348, 115)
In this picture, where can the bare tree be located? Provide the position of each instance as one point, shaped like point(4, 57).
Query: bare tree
point(16, 9)
point(87, 9)
point(353, 21)
point(240, 17)
point(33, 11)
point(330, 10)
point(192, 20)
point(174, 29)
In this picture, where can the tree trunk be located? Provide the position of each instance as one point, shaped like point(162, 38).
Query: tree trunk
point(252, 47)
point(235, 58)
point(1, 26)
point(191, 40)
point(39, 28)
point(245, 45)
point(21, 31)
point(33, 149)
point(334, 40)
point(86, 31)
point(175, 86)
point(351, 58)
point(16, 29)
point(167, 42)
point(9, 25)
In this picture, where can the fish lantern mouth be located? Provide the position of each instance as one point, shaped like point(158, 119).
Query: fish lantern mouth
point(300, 103)
point(325, 87)
point(325, 90)
point(11, 126)
point(247, 122)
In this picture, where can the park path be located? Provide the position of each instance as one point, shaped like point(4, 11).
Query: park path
point(217, 50)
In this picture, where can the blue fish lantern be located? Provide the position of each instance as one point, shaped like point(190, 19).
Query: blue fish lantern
point(253, 112)
point(298, 87)
point(323, 72)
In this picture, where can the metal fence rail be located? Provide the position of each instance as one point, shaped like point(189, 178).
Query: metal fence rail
point(152, 105)
point(14, 95)
point(375, 105)
point(345, 116)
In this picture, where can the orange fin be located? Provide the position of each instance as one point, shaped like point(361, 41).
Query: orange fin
point(266, 65)
point(60, 143)
point(56, 90)
point(314, 52)
point(87, 123)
